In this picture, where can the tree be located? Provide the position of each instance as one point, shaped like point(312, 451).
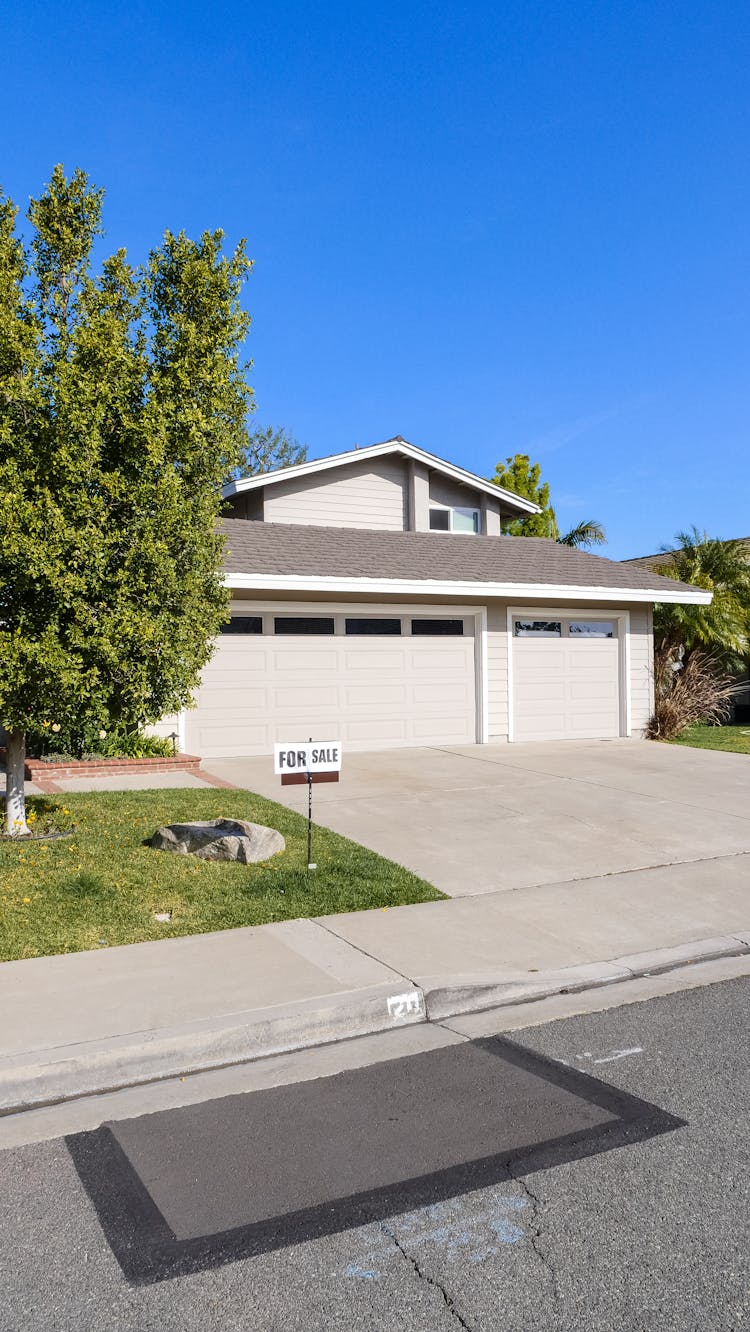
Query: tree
point(122, 410)
point(587, 533)
point(269, 448)
point(523, 477)
point(723, 568)
point(697, 649)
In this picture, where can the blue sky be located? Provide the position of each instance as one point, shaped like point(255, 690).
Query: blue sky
point(491, 228)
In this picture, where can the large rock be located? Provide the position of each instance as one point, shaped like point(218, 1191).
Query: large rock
point(220, 839)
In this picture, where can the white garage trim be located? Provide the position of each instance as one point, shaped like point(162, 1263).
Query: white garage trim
point(567, 613)
point(343, 608)
point(425, 587)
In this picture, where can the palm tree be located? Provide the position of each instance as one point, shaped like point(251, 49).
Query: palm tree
point(723, 567)
point(585, 534)
point(699, 649)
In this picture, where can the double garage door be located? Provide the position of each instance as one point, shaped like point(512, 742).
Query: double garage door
point(375, 682)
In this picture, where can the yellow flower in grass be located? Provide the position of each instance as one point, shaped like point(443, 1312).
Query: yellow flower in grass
point(27, 899)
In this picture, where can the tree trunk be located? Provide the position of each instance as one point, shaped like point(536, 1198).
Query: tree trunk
point(15, 800)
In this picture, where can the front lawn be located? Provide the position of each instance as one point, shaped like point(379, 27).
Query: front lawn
point(103, 886)
point(734, 738)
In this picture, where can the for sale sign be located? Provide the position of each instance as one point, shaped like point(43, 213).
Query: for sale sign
point(308, 756)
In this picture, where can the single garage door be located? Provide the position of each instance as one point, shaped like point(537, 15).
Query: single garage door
point(566, 678)
point(375, 681)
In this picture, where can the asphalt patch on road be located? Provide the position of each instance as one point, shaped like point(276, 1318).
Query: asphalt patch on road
point(189, 1189)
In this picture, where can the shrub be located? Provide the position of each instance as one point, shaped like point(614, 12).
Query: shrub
point(90, 743)
point(689, 689)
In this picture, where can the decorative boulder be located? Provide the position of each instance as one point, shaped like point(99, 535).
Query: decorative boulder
point(220, 839)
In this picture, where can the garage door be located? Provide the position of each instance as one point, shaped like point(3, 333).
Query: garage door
point(375, 681)
point(566, 678)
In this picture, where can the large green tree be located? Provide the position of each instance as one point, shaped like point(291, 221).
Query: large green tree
point(269, 448)
point(524, 478)
point(123, 402)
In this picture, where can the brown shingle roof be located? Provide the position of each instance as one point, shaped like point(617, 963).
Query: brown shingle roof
point(345, 552)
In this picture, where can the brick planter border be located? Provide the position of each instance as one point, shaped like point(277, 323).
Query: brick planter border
point(35, 770)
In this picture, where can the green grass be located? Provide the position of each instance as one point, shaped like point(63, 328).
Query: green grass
point(734, 738)
point(102, 886)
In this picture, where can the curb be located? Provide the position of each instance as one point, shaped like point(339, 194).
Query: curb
point(49, 1077)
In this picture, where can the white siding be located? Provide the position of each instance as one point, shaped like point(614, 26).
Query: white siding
point(368, 494)
point(497, 673)
point(166, 727)
point(641, 668)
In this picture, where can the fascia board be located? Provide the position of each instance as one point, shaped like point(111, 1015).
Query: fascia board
point(378, 451)
point(425, 587)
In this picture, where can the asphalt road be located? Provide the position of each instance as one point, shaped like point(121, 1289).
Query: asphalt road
point(649, 1235)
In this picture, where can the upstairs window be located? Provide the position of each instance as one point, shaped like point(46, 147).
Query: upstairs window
point(443, 519)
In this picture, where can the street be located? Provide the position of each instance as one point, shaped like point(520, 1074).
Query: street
point(502, 1193)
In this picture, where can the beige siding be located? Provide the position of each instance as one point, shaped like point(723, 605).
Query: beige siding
point(641, 668)
point(492, 516)
point(444, 490)
point(420, 518)
point(497, 673)
point(368, 494)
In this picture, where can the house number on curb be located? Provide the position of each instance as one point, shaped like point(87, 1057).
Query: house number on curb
point(402, 1005)
point(305, 762)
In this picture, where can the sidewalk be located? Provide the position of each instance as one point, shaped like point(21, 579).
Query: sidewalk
point(91, 1022)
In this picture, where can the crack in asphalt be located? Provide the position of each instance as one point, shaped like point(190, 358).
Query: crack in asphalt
point(425, 1276)
point(535, 1233)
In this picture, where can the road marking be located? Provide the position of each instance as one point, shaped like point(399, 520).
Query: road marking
point(452, 1228)
point(612, 1056)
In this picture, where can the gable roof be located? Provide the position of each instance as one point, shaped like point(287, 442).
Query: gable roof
point(399, 446)
point(277, 556)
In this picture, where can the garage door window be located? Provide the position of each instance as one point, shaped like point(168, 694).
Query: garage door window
point(375, 626)
point(538, 629)
point(243, 624)
point(437, 627)
point(591, 629)
point(299, 624)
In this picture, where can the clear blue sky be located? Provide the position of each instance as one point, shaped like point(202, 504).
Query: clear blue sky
point(489, 227)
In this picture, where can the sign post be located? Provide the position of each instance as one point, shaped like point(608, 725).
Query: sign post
point(307, 761)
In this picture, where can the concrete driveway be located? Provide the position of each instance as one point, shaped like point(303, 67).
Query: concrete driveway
point(487, 818)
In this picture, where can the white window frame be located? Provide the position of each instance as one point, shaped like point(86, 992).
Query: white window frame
point(457, 508)
point(621, 617)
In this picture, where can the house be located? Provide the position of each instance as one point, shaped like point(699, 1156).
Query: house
point(376, 600)
point(740, 704)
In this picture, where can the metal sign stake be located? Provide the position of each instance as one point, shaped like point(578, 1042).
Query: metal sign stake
point(310, 865)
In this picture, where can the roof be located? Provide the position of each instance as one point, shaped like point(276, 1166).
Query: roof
point(398, 445)
point(278, 556)
point(663, 557)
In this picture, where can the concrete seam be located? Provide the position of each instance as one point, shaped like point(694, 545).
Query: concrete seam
point(606, 874)
point(316, 920)
point(580, 781)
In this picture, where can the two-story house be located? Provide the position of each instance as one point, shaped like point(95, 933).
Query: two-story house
point(375, 599)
